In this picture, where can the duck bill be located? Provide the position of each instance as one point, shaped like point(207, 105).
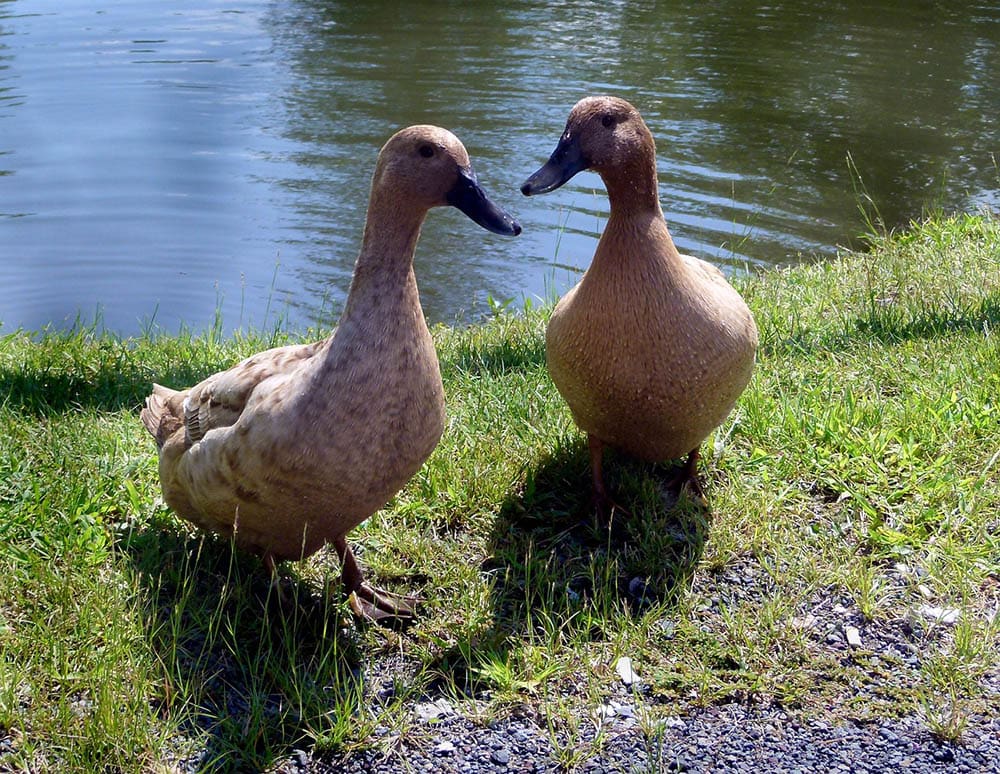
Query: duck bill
point(470, 198)
point(566, 160)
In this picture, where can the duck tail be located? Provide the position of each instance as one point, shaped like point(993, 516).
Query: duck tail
point(157, 417)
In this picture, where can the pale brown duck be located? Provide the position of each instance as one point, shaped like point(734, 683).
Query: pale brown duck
point(652, 348)
point(293, 447)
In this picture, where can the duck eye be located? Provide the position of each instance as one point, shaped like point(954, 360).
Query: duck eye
point(607, 120)
point(426, 151)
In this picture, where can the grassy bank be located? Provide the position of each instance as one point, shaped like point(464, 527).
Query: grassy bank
point(855, 487)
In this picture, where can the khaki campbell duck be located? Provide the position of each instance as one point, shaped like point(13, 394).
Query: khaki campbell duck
point(652, 348)
point(293, 447)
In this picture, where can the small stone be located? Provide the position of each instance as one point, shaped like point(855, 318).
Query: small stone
point(81, 707)
point(624, 669)
point(428, 711)
point(301, 758)
point(666, 627)
point(945, 615)
point(444, 748)
point(925, 591)
point(853, 636)
point(901, 569)
point(839, 609)
point(637, 587)
point(500, 757)
point(944, 755)
point(807, 621)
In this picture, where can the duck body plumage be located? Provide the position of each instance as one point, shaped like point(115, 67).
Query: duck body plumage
point(295, 446)
point(651, 349)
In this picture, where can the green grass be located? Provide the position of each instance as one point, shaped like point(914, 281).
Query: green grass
point(860, 468)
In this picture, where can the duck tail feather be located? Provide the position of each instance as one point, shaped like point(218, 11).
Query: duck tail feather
point(157, 417)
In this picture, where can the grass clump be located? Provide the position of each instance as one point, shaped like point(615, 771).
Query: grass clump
point(856, 483)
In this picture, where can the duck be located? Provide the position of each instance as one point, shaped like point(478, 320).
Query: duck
point(652, 348)
point(290, 449)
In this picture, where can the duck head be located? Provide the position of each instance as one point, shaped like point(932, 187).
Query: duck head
point(604, 134)
point(428, 166)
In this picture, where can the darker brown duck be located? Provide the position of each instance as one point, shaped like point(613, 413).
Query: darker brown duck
point(652, 348)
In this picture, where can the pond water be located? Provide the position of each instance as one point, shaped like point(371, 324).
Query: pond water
point(162, 163)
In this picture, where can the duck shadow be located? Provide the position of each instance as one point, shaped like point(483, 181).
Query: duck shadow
point(48, 390)
point(553, 564)
point(250, 670)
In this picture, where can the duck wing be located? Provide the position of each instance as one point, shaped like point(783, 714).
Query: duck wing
point(219, 400)
point(704, 269)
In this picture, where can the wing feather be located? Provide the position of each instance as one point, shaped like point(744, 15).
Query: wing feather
point(219, 400)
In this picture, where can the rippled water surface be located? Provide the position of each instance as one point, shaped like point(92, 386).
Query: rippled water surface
point(166, 162)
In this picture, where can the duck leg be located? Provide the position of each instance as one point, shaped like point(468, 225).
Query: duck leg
point(605, 506)
point(285, 601)
point(367, 601)
point(686, 479)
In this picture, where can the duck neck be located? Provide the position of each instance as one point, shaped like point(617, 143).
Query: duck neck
point(636, 237)
point(382, 309)
point(383, 274)
point(633, 189)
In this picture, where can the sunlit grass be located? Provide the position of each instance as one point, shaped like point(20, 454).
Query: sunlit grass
point(861, 468)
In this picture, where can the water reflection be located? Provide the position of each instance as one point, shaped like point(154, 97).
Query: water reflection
point(171, 159)
point(350, 95)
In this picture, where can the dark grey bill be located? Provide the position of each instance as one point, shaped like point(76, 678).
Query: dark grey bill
point(471, 199)
point(566, 160)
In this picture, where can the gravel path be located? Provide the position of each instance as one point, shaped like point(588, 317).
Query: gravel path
point(721, 738)
point(737, 736)
point(728, 738)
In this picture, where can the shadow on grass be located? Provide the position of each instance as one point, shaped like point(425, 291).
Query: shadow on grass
point(888, 325)
point(83, 368)
point(247, 679)
point(556, 571)
point(52, 388)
